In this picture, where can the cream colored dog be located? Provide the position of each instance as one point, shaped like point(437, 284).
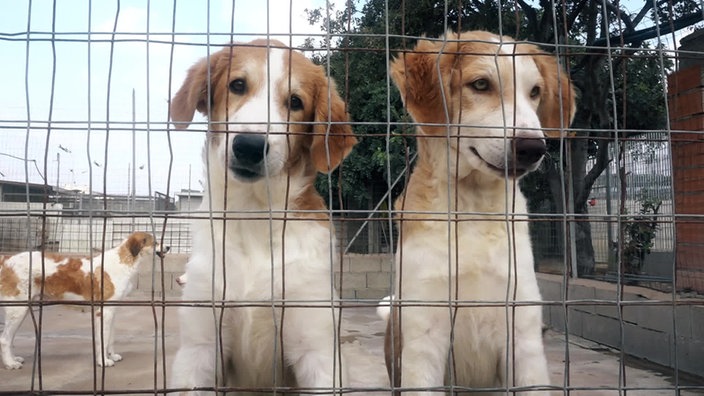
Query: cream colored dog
point(275, 121)
point(484, 103)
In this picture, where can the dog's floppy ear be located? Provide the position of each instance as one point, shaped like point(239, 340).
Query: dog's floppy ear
point(193, 94)
point(415, 73)
point(558, 100)
point(136, 243)
point(332, 141)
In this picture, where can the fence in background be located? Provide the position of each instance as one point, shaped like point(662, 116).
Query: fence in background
point(56, 232)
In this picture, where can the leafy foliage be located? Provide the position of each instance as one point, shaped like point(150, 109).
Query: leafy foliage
point(639, 233)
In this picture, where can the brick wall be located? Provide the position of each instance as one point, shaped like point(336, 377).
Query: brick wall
point(686, 105)
point(365, 276)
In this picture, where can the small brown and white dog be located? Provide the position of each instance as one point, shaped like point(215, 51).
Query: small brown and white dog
point(71, 278)
point(484, 103)
point(274, 121)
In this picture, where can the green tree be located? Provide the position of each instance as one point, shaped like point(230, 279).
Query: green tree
point(596, 40)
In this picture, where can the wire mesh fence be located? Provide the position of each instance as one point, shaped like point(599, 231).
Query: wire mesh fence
point(285, 235)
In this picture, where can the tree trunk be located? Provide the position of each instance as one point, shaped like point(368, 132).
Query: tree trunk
point(583, 228)
point(554, 180)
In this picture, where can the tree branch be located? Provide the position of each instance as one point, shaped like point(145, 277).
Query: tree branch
point(646, 8)
point(569, 21)
point(531, 15)
point(637, 37)
point(651, 32)
point(623, 16)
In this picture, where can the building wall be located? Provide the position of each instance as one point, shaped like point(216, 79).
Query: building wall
point(686, 105)
point(649, 325)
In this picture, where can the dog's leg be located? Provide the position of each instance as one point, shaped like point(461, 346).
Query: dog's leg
point(312, 349)
point(14, 316)
point(194, 365)
point(115, 357)
point(425, 332)
point(530, 367)
point(102, 336)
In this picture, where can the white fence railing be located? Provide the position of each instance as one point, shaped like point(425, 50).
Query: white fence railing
point(29, 228)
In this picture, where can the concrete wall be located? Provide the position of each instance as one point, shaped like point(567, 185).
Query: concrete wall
point(649, 326)
point(152, 274)
point(363, 276)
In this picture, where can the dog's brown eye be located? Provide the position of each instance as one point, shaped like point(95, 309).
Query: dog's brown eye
point(480, 85)
point(238, 86)
point(535, 92)
point(295, 103)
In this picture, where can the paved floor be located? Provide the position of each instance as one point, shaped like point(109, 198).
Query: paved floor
point(142, 333)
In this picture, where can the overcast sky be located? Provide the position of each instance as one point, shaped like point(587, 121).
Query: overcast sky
point(84, 75)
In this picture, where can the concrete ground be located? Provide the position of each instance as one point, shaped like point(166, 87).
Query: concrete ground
point(67, 365)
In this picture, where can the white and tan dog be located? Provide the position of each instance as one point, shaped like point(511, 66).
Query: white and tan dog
point(484, 103)
point(275, 121)
point(70, 278)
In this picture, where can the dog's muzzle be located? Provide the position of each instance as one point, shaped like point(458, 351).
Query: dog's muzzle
point(248, 157)
point(163, 251)
point(524, 157)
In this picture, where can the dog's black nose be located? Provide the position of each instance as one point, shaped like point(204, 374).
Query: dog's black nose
point(528, 151)
point(249, 150)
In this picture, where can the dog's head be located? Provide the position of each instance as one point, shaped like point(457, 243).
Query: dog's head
point(140, 245)
point(486, 88)
point(270, 109)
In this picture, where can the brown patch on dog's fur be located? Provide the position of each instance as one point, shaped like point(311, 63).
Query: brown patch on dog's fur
point(71, 278)
point(129, 251)
point(416, 77)
point(335, 140)
point(8, 279)
point(103, 288)
point(558, 102)
point(310, 200)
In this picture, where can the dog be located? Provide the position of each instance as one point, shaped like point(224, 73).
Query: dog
point(107, 276)
point(483, 103)
point(274, 121)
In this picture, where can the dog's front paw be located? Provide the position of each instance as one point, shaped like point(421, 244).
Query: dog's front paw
point(108, 362)
point(15, 364)
point(115, 357)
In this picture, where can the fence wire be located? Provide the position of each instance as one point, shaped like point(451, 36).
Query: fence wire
point(92, 152)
